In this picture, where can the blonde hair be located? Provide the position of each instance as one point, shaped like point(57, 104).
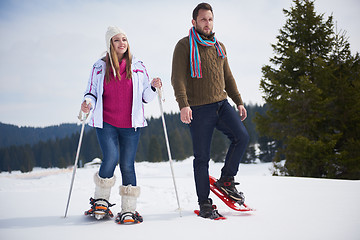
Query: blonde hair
point(115, 62)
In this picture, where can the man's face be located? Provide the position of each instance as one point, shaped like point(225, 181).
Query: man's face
point(204, 22)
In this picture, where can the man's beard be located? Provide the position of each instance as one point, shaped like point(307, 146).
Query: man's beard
point(202, 32)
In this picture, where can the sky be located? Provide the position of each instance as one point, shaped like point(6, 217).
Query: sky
point(47, 48)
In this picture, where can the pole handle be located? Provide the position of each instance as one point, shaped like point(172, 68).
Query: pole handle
point(84, 116)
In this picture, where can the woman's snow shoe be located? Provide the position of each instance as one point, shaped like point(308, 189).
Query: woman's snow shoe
point(128, 218)
point(100, 203)
point(100, 209)
point(128, 215)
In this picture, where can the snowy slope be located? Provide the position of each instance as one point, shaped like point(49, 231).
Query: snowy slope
point(33, 206)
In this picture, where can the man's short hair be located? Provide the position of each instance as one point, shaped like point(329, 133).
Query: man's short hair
point(204, 6)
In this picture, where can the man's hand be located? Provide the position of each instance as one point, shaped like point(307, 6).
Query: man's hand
point(242, 112)
point(186, 115)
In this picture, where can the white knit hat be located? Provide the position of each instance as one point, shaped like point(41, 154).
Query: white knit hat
point(111, 32)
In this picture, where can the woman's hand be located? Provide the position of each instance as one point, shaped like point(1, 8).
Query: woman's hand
point(85, 107)
point(156, 83)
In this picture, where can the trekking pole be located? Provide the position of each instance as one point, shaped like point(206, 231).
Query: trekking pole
point(168, 146)
point(82, 117)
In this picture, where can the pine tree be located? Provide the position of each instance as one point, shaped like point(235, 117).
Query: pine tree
point(26, 158)
point(154, 153)
point(45, 155)
point(6, 161)
point(176, 145)
point(344, 89)
point(268, 148)
point(303, 106)
point(219, 146)
point(250, 154)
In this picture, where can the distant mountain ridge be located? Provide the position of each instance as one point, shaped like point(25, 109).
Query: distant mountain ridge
point(15, 135)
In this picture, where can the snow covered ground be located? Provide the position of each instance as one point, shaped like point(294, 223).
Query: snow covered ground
point(33, 205)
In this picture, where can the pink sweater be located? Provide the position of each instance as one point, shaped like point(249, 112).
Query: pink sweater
point(117, 100)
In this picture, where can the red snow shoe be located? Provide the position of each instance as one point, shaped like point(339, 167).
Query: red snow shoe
point(235, 205)
point(208, 210)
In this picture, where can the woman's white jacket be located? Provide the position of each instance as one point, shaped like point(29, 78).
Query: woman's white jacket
point(142, 93)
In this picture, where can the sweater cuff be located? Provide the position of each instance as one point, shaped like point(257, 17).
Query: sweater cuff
point(183, 103)
point(238, 101)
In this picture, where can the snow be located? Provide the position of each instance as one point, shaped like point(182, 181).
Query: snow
point(33, 206)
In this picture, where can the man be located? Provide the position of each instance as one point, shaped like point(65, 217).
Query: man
point(202, 80)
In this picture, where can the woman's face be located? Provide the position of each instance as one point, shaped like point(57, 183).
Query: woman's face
point(120, 44)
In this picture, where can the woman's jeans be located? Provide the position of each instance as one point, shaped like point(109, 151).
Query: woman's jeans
point(118, 145)
point(206, 118)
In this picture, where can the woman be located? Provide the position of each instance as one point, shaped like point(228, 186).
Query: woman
point(117, 88)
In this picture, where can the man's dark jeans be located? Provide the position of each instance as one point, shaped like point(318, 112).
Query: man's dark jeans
point(222, 116)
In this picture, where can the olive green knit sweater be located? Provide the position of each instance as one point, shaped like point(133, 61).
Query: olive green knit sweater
point(217, 81)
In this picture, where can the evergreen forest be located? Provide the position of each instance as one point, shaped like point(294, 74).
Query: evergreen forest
point(60, 152)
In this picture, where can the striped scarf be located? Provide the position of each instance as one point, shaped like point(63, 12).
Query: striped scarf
point(195, 62)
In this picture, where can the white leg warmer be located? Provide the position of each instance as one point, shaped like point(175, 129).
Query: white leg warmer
point(103, 186)
point(129, 195)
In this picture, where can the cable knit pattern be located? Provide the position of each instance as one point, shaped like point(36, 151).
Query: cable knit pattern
point(216, 84)
point(117, 99)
